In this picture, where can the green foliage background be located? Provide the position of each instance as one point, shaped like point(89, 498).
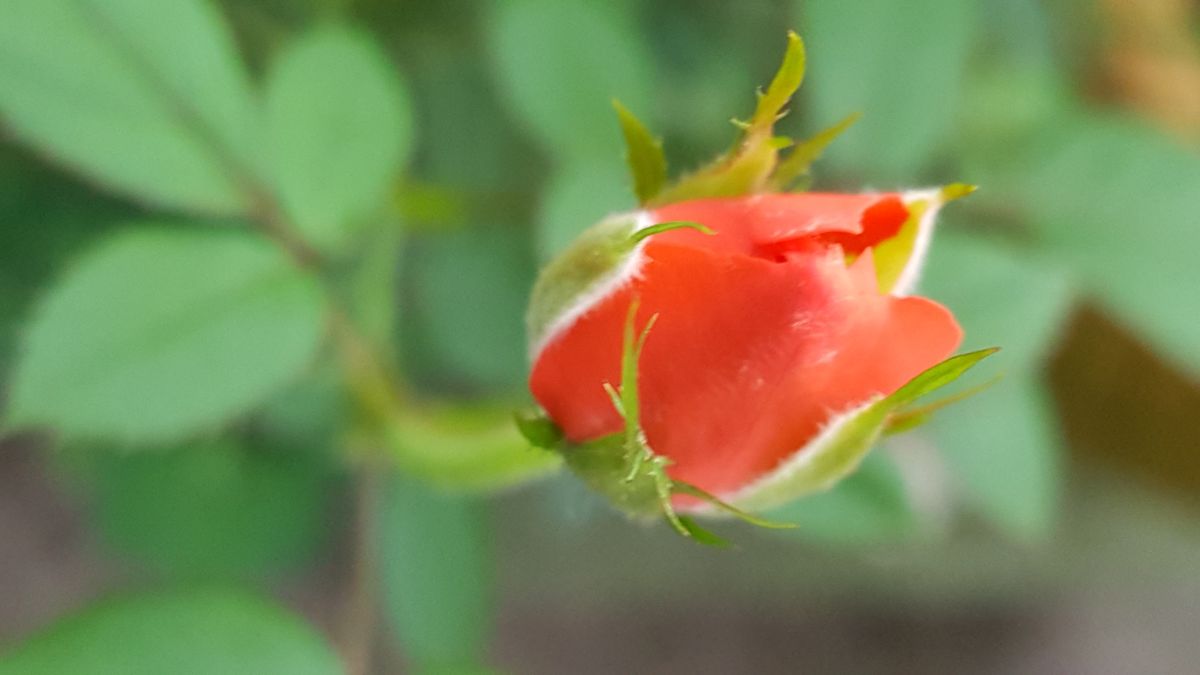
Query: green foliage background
point(197, 197)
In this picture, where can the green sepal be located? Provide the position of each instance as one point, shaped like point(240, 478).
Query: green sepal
point(913, 416)
point(938, 376)
point(799, 164)
point(539, 430)
point(593, 259)
point(745, 516)
point(821, 466)
point(702, 535)
point(747, 167)
point(644, 154)
point(659, 228)
point(621, 466)
point(753, 164)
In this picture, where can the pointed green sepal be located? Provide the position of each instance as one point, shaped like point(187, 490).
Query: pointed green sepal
point(621, 466)
point(659, 228)
point(786, 82)
point(745, 516)
point(644, 154)
point(747, 167)
point(702, 535)
point(938, 376)
point(799, 163)
point(913, 416)
point(957, 191)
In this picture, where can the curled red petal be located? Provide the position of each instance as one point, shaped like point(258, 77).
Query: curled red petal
point(770, 225)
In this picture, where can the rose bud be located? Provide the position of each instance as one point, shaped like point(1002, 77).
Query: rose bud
point(730, 346)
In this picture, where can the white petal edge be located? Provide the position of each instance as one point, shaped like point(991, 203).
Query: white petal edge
point(906, 283)
point(603, 287)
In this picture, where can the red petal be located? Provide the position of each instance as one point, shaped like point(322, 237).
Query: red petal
point(768, 225)
point(748, 360)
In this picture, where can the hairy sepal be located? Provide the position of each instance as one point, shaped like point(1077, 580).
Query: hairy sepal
point(598, 263)
point(841, 446)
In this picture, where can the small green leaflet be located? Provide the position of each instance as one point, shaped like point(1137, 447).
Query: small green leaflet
point(140, 342)
point(203, 631)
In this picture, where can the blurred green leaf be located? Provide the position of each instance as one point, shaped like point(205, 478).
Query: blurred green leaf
point(200, 632)
point(467, 140)
point(580, 194)
point(870, 505)
point(46, 218)
point(436, 564)
point(1002, 448)
point(709, 58)
point(1001, 295)
point(1018, 85)
point(464, 322)
point(149, 98)
point(1002, 105)
point(157, 334)
point(309, 417)
point(559, 64)
point(208, 510)
point(1001, 445)
point(339, 129)
point(799, 163)
point(901, 64)
point(1118, 202)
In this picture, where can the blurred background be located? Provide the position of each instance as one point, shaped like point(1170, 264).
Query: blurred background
point(185, 481)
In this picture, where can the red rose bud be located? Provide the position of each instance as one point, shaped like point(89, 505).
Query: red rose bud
point(784, 337)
